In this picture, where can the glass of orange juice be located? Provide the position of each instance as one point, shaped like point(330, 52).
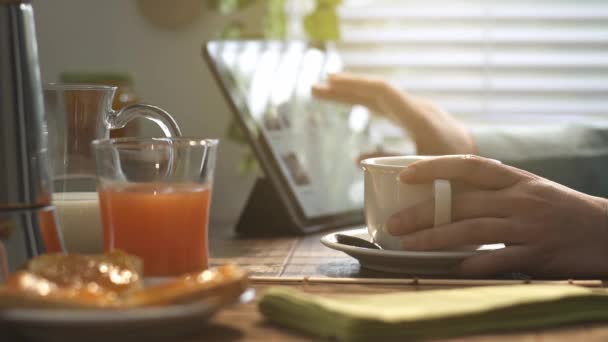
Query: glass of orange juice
point(154, 196)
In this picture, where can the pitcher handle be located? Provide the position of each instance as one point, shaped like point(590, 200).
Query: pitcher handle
point(164, 120)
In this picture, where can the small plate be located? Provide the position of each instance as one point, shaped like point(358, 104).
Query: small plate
point(415, 263)
point(163, 323)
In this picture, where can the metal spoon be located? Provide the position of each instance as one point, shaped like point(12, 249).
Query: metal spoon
point(355, 241)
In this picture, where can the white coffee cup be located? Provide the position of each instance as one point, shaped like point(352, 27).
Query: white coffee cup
point(386, 195)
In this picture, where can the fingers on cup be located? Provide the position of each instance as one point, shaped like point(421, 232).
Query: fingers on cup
point(478, 231)
point(478, 171)
point(467, 205)
point(412, 219)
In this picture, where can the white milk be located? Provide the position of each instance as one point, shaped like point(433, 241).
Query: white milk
point(80, 221)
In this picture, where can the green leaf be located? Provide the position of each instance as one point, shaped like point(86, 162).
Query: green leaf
point(228, 6)
point(331, 3)
point(232, 30)
point(275, 22)
point(235, 133)
point(248, 164)
point(323, 23)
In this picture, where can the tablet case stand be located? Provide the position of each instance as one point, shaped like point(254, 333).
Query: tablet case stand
point(265, 214)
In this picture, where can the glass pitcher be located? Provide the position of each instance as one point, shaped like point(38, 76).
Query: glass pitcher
point(79, 114)
point(76, 115)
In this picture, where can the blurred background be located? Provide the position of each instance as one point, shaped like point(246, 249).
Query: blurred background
point(489, 62)
point(166, 63)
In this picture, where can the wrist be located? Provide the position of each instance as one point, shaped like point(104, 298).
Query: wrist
point(403, 109)
point(472, 144)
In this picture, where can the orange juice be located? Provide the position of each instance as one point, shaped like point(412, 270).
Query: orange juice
point(165, 224)
point(49, 232)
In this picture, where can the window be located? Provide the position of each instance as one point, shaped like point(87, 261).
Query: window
point(485, 58)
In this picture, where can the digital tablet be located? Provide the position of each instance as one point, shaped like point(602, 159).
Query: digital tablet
point(307, 148)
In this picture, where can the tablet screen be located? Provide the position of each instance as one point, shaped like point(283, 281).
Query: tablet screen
point(313, 144)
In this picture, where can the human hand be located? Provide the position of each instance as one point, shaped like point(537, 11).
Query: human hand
point(433, 130)
point(549, 229)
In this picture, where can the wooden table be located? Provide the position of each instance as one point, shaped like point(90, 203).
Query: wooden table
point(304, 263)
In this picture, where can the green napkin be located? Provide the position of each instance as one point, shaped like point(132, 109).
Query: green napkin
point(433, 313)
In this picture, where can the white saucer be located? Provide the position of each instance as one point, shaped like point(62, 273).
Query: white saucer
point(163, 323)
point(414, 263)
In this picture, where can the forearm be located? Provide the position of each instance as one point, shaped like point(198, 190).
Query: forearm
point(573, 154)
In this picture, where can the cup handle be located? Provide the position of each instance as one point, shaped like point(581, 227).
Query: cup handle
point(443, 202)
point(164, 120)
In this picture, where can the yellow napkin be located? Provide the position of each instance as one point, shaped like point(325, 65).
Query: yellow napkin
point(433, 313)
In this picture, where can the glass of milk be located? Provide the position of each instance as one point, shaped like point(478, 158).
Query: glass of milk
point(80, 221)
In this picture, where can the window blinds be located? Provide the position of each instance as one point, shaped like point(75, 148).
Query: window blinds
point(498, 57)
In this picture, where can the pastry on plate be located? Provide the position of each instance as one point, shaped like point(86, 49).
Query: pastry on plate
point(111, 280)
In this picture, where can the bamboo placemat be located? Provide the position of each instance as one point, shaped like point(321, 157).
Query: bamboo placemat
point(264, 257)
point(284, 256)
point(416, 281)
point(304, 260)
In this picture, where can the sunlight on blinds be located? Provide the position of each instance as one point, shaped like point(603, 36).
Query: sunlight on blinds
point(485, 57)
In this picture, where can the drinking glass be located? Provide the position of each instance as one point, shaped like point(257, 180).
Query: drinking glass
point(77, 114)
point(155, 196)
